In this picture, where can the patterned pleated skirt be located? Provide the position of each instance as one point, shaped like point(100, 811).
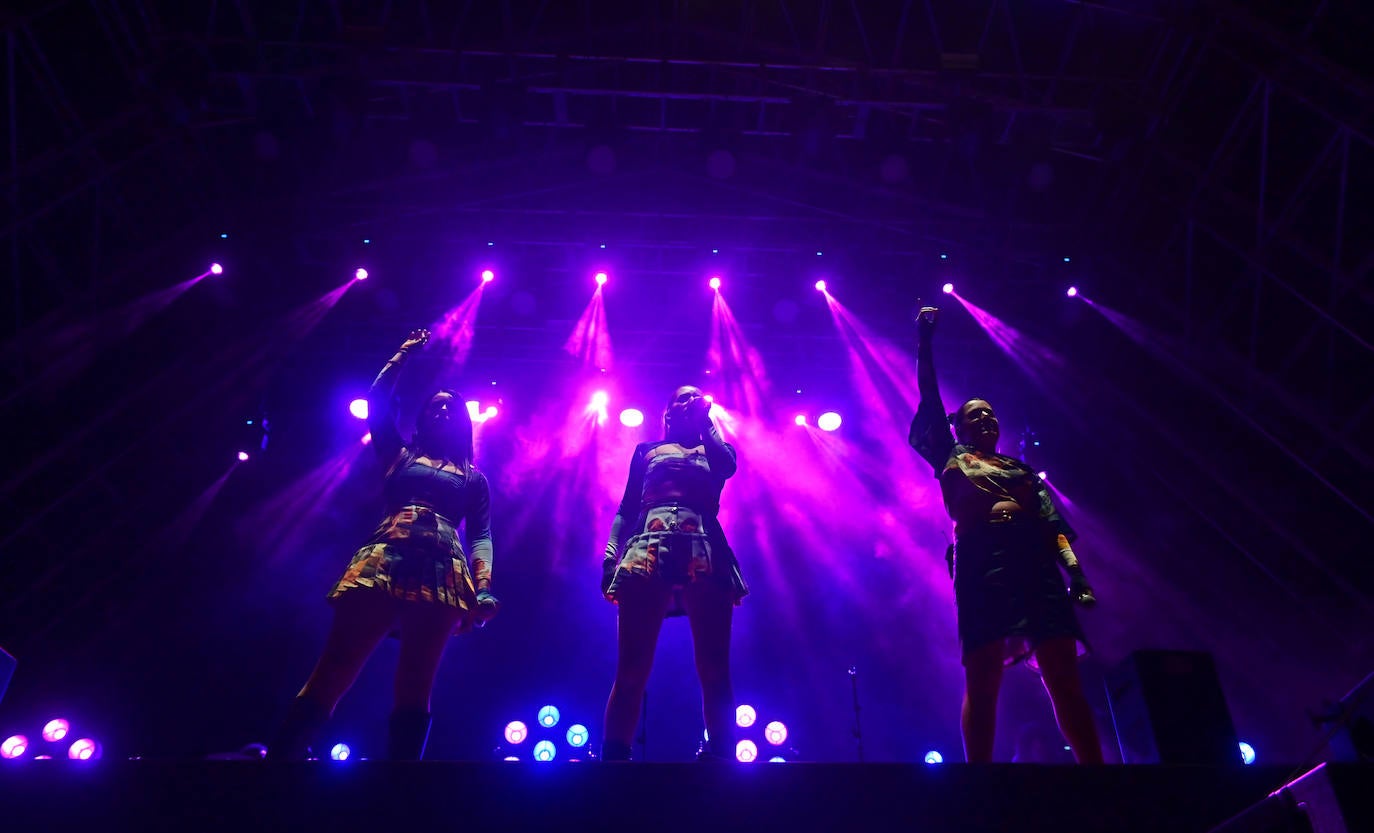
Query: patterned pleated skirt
point(415, 556)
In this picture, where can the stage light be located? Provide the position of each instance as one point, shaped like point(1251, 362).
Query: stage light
point(1247, 753)
point(800, 419)
point(944, 256)
point(243, 456)
point(84, 749)
point(475, 412)
point(367, 241)
point(820, 286)
point(600, 400)
point(1043, 475)
point(510, 758)
point(746, 751)
point(358, 408)
point(715, 282)
point(933, 757)
point(42, 757)
point(548, 716)
point(948, 289)
point(631, 417)
point(777, 759)
point(216, 269)
point(828, 421)
point(1072, 292)
point(577, 735)
point(745, 716)
point(367, 438)
point(360, 274)
point(14, 747)
point(488, 276)
point(775, 732)
point(545, 751)
point(818, 254)
point(516, 732)
point(224, 235)
point(56, 729)
point(601, 279)
point(1066, 260)
point(340, 752)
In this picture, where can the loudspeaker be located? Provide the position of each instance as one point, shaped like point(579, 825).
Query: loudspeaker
point(7, 666)
point(1168, 708)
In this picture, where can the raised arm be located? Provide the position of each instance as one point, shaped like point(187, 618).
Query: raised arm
point(930, 433)
point(720, 455)
point(381, 414)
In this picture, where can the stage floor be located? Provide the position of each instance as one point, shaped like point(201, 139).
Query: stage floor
point(496, 797)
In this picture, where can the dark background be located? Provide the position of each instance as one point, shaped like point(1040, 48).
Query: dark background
point(1202, 168)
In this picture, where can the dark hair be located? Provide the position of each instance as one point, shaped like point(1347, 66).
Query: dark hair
point(953, 416)
point(464, 453)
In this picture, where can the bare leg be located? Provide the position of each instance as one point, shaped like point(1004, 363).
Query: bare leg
point(425, 633)
point(641, 605)
point(361, 621)
point(982, 682)
point(1058, 659)
point(710, 609)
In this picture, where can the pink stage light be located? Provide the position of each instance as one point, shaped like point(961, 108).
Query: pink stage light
point(775, 732)
point(745, 716)
point(828, 421)
point(601, 279)
point(631, 417)
point(1044, 475)
point(715, 282)
point(56, 729)
point(488, 276)
point(360, 274)
point(243, 456)
point(820, 286)
point(84, 749)
point(216, 269)
point(799, 419)
point(746, 751)
point(1072, 292)
point(367, 438)
point(358, 408)
point(14, 747)
point(516, 732)
point(600, 400)
point(948, 289)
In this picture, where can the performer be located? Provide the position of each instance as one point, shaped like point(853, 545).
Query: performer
point(412, 578)
point(676, 560)
point(1009, 545)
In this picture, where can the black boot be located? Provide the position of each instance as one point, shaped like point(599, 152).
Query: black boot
point(409, 732)
point(298, 732)
point(612, 751)
point(712, 751)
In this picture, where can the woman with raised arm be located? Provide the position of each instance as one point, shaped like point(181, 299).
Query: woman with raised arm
point(1010, 543)
point(412, 577)
point(667, 555)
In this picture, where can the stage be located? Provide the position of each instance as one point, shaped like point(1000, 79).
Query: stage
point(149, 795)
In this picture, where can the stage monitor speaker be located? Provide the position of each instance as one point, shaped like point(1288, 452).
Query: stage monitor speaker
point(7, 666)
point(1168, 708)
